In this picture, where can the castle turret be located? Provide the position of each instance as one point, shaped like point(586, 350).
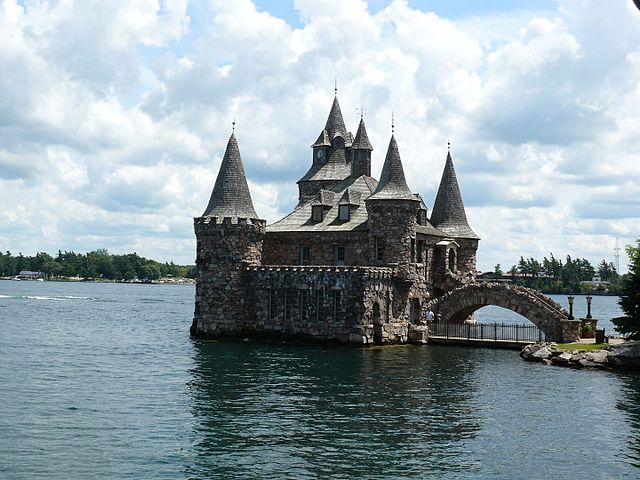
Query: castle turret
point(449, 216)
point(392, 213)
point(331, 161)
point(361, 152)
point(229, 237)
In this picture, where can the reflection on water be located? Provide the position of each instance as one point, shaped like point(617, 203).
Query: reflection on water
point(629, 403)
point(322, 412)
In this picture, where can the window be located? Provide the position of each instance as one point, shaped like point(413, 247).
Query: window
point(303, 304)
point(452, 260)
point(286, 304)
point(422, 217)
point(316, 213)
point(413, 250)
point(379, 249)
point(304, 255)
point(319, 304)
point(344, 213)
point(271, 303)
point(338, 312)
point(339, 254)
point(420, 250)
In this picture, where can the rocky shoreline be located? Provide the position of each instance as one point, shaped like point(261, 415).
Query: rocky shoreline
point(623, 356)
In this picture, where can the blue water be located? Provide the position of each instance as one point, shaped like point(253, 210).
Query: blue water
point(103, 381)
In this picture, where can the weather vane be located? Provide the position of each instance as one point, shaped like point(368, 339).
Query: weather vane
point(233, 126)
point(393, 126)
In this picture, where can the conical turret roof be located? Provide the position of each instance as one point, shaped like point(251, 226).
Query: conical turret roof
point(231, 196)
point(448, 210)
point(361, 142)
point(335, 122)
point(393, 185)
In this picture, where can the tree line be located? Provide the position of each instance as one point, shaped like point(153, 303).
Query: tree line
point(553, 275)
point(96, 264)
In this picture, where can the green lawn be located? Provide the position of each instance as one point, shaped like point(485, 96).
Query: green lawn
point(583, 347)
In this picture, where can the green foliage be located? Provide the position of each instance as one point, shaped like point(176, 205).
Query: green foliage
point(629, 323)
point(96, 264)
point(553, 275)
point(587, 327)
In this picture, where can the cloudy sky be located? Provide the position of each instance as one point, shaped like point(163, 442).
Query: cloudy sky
point(114, 115)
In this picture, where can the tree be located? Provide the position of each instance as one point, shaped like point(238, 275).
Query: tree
point(497, 270)
point(629, 323)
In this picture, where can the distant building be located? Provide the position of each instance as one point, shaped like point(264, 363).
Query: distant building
point(29, 275)
point(354, 262)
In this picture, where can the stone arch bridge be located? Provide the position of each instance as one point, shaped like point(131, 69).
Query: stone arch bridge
point(458, 304)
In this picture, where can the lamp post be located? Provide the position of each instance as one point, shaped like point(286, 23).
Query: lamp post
point(570, 298)
point(589, 298)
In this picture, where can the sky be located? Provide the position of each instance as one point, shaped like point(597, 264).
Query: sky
point(114, 115)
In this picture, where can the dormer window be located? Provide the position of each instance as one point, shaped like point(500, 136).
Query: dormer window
point(316, 213)
point(344, 213)
point(422, 217)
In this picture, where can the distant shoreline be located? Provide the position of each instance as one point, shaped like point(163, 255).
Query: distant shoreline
point(178, 281)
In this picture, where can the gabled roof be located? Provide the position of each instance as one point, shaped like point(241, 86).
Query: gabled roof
point(393, 185)
point(323, 140)
point(351, 196)
point(361, 142)
point(323, 198)
point(230, 196)
point(448, 210)
point(300, 219)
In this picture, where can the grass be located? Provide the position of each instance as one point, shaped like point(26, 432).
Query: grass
point(583, 347)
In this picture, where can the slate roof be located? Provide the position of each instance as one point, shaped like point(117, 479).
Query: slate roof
point(393, 185)
point(335, 122)
point(230, 196)
point(335, 168)
point(361, 142)
point(300, 218)
point(448, 210)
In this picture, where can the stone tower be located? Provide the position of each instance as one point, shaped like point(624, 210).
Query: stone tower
point(229, 237)
point(455, 260)
point(361, 152)
point(392, 213)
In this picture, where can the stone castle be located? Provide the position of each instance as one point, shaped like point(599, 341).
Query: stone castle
point(355, 262)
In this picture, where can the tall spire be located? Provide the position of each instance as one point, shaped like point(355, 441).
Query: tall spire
point(335, 123)
point(448, 210)
point(231, 196)
point(393, 185)
point(361, 142)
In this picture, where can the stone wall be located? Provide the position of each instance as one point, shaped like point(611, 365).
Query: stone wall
point(283, 248)
point(329, 303)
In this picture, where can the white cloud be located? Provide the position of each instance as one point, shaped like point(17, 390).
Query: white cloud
point(114, 116)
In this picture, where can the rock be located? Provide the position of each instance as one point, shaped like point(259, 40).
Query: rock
point(556, 352)
point(546, 361)
point(599, 356)
point(541, 354)
point(559, 360)
point(625, 355)
point(576, 357)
